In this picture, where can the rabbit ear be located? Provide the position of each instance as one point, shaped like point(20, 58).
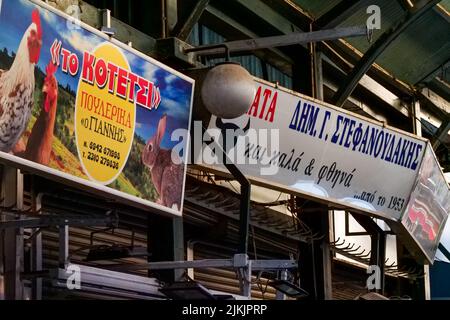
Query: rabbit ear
point(161, 129)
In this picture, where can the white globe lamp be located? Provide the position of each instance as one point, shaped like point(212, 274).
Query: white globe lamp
point(228, 90)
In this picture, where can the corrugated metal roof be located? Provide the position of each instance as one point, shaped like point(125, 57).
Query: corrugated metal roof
point(390, 13)
point(317, 7)
point(419, 51)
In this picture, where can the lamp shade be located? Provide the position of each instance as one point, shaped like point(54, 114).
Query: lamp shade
point(228, 90)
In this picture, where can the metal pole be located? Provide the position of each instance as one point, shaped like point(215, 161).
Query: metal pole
point(163, 19)
point(244, 219)
point(106, 18)
point(280, 295)
point(63, 246)
point(13, 238)
point(286, 40)
point(36, 255)
point(426, 276)
point(444, 251)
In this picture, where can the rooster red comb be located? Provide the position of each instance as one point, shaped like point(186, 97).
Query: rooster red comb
point(50, 69)
point(37, 21)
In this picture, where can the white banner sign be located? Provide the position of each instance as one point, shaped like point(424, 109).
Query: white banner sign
point(314, 149)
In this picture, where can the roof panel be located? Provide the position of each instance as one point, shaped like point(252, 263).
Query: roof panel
point(317, 7)
point(420, 50)
point(391, 11)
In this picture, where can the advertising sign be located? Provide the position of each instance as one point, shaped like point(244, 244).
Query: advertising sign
point(79, 106)
point(314, 149)
point(429, 206)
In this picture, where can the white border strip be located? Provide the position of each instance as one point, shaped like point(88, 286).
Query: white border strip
point(34, 167)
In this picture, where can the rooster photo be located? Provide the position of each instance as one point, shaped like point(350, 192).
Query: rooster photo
point(50, 115)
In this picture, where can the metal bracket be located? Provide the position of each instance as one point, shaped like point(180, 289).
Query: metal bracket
point(106, 21)
point(238, 261)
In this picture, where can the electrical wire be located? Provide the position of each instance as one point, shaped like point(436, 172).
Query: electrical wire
point(261, 286)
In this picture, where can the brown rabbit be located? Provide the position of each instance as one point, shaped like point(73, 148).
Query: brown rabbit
point(167, 176)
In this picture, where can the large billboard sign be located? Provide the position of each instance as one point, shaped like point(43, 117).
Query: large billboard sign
point(326, 152)
point(313, 149)
point(81, 107)
point(307, 147)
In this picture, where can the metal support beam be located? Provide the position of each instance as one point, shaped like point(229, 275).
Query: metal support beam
point(286, 40)
point(236, 262)
point(190, 257)
point(378, 241)
point(290, 39)
point(427, 281)
point(165, 242)
point(438, 103)
point(378, 245)
point(441, 87)
point(339, 13)
point(183, 28)
point(314, 257)
point(171, 14)
point(405, 4)
point(240, 262)
point(51, 220)
point(12, 239)
point(318, 75)
point(417, 124)
point(376, 50)
point(36, 256)
point(244, 205)
point(63, 246)
point(326, 256)
point(441, 133)
point(444, 251)
point(178, 243)
point(244, 209)
point(434, 73)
